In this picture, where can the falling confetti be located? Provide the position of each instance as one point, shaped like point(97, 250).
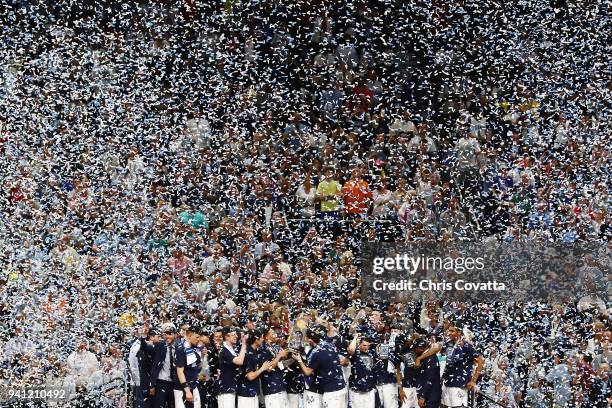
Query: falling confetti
point(221, 162)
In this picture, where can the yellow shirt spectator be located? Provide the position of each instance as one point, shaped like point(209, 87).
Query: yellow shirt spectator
point(328, 192)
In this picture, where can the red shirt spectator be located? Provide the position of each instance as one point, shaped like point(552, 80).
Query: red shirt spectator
point(357, 195)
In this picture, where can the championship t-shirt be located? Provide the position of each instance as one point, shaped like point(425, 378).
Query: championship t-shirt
point(362, 375)
point(273, 381)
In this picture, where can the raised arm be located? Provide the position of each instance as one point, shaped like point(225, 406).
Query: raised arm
point(352, 347)
point(479, 361)
point(239, 359)
point(431, 351)
point(279, 356)
point(146, 346)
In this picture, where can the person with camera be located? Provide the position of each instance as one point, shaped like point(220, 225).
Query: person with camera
point(188, 362)
point(230, 362)
point(324, 363)
point(248, 381)
point(362, 384)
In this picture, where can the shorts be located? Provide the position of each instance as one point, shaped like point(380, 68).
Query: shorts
point(362, 399)
point(248, 402)
point(227, 400)
point(454, 396)
point(388, 395)
point(276, 400)
point(411, 401)
point(334, 399)
point(178, 398)
point(295, 400)
point(312, 400)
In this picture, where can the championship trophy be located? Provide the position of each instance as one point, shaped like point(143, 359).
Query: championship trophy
point(383, 350)
point(295, 343)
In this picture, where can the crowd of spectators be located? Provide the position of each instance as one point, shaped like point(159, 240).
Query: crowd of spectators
point(223, 161)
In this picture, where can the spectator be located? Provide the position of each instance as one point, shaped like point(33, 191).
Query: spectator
point(82, 364)
point(328, 192)
point(356, 195)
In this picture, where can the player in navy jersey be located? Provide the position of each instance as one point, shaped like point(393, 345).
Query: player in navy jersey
point(230, 362)
point(188, 362)
point(248, 380)
point(313, 393)
point(407, 374)
point(428, 383)
point(273, 385)
point(410, 374)
point(362, 383)
point(459, 373)
point(294, 380)
point(384, 371)
point(324, 362)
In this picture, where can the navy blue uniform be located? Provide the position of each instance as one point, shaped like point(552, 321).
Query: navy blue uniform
point(246, 387)
point(294, 379)
point(228, 372)
point(362, 375)
point(188, 357)
point(410, 373)
point(312, 382)
point(459, 365)
point(429, 386)
point(381, 371)
point(272, 382)
point(325, 362)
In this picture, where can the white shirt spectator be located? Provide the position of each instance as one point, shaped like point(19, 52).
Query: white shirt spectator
point(264, 248)
point(306, 201)
point(81, 365)
point(402, 125)
point(211, 265)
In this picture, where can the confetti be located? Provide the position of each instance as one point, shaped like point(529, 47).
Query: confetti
point(220, 163)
